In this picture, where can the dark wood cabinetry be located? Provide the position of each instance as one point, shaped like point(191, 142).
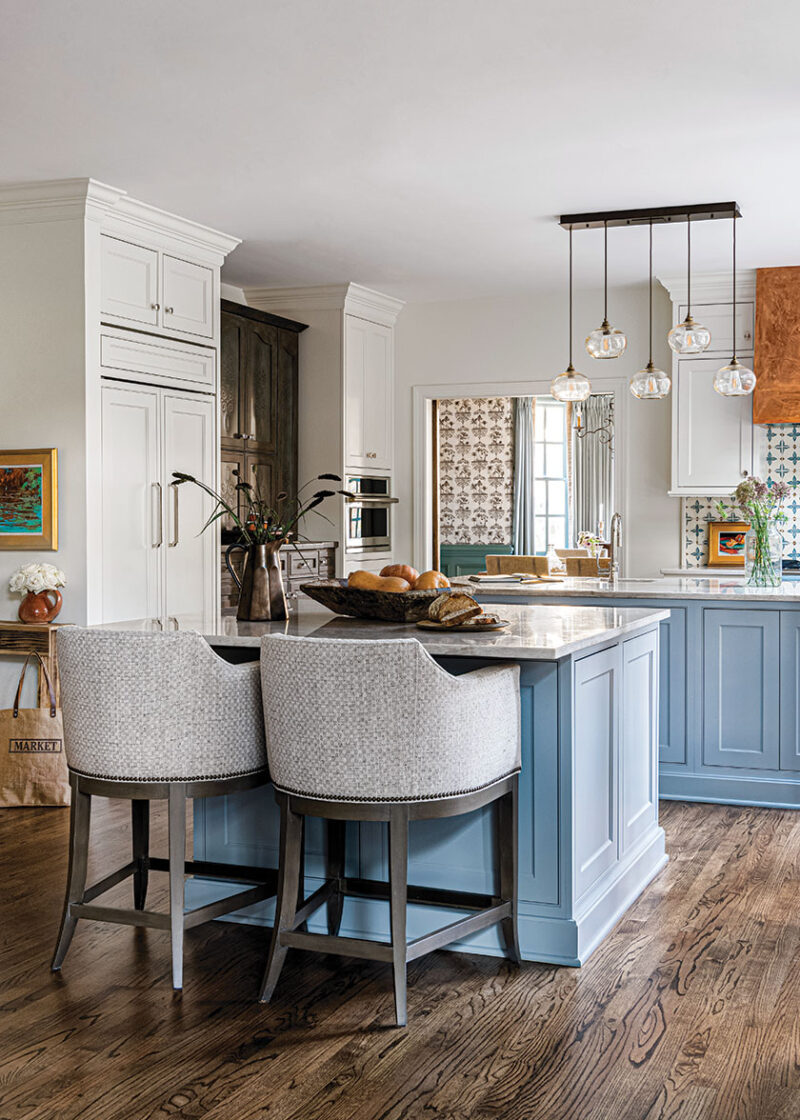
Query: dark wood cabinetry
point(258, 400)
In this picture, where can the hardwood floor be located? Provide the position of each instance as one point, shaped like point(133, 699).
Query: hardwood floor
point(690, 1010)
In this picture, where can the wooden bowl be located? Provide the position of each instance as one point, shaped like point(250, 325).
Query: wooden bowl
point(388, 606)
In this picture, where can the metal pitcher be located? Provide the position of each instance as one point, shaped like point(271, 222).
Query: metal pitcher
point(261, 594)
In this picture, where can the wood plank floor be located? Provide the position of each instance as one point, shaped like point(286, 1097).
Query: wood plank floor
point(690, 1010)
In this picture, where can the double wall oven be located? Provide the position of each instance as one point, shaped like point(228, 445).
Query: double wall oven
point(369, 513)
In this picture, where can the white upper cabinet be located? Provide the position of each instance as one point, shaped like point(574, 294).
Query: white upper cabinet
point(369, 394)
point(712, 436)
point(146, 287)
point(188, 297)
point(718, 318)
point(129, 279)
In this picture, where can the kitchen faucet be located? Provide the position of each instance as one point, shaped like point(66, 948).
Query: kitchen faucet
point(616, 544)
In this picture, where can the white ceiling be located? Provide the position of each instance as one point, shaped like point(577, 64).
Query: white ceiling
point(422, 147)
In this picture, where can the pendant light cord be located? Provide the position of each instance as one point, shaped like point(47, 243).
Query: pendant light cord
point(605, 272)
point(570, 297)
point(651, 295)
point(688, 266)
point(734, 287)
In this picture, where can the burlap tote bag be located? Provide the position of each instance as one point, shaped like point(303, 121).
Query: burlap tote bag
point(33, 767)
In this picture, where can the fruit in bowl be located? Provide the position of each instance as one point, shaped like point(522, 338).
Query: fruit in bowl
point(369, 581)
point(428, 581)
point(401, 571)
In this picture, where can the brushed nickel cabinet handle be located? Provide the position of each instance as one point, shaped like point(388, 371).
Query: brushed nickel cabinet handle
point(156, 486)
point(175, 530)
point(168, 310)
point(155, 306)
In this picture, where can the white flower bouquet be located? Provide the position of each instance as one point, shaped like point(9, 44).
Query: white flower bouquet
point(36, 578)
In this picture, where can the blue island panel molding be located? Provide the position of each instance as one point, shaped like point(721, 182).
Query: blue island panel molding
point(467, 559)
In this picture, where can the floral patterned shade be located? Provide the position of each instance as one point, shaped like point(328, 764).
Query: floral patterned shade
point(476, 470)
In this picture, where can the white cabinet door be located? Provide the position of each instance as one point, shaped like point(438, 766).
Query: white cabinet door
point(369, 394)
point(129, 282)
point(132, 511)
point(191, 564)
point(718, 317)
point(188, 297)
point(712, 436)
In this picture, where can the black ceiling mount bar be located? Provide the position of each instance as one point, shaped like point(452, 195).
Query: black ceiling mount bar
point(658, 215)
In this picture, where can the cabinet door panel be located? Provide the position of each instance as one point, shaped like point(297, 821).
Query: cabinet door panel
point(741, 688)
point(369, 394)
point(191, 567)
point(639, 762)
point(260, 408)
point(132, 511)
point(790, 690)
point(712, 435)
point(188, 304)
point(231, 360)
point(595, 774)
point(128, 281)
point(672, 676)
point(718, 317)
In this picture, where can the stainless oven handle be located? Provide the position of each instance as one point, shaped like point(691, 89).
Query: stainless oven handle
point(371, 499)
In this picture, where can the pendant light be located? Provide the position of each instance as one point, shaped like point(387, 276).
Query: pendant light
point(689, 337)
point(606, 341)
point(570, 385)
point(734, 380)
point(650, 384)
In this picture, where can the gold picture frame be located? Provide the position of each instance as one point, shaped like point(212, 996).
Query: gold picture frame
point(726, 543)
point(29, 499)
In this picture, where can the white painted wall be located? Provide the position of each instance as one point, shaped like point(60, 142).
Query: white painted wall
point(42, 397)
point(524, 337)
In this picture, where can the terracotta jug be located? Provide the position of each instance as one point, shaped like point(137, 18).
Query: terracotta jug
point(38, 607)
point(261, 594)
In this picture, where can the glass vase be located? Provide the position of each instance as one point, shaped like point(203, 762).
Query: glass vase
point(763, 552)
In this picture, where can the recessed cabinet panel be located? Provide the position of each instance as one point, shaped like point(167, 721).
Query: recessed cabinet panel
point(129, 281)
point(639, 762)
point(595, 777)
point(672, 689)
point(790, 690)
point(132, 508)
point(230, 389)
point(135, 357)
point(189, 446)
point(369, 392)
point(260, 419)
point(741, 650)
point(188, 303)
point(712, 436)
point(718, 317)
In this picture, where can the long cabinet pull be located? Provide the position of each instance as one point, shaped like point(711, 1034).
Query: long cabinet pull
point(175, 528)
point(156, 486)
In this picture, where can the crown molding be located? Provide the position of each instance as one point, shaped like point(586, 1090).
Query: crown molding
point(713, 287)
point(56, 200)
point(351, 298)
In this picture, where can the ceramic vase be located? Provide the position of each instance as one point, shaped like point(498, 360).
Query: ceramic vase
point(40, 606)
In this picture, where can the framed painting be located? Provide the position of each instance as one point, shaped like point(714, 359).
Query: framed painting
point(29, 499)
point(726, 543)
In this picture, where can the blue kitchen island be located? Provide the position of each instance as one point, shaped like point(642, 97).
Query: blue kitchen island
point(590, 840)
point(729, 725)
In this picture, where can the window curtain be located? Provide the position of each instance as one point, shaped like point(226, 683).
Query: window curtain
point(523, 476)
point(592, 468)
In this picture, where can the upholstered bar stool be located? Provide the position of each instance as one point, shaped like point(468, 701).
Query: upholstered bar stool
point(147, 717)
point(380, 732)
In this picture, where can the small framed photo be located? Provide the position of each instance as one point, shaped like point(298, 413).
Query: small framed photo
point(29, 499)
point(726, 543)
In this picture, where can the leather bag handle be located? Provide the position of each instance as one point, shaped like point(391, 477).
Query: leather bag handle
point(47, 681)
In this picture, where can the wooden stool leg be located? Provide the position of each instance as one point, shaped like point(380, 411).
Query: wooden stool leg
point(177, 877)
point(398, 902)
point(79, 819)
point(140, 829)
point(507, 849)
point(288, 886)
point(335, 870)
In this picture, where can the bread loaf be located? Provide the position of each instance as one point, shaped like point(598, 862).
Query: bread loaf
point(452, 610)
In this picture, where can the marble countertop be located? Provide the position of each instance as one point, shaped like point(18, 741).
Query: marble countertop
point(728, 588)
point(536, 633)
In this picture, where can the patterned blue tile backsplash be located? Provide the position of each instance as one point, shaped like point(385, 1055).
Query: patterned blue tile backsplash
point(782, 462)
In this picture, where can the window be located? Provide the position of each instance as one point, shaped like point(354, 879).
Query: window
point(550, 496)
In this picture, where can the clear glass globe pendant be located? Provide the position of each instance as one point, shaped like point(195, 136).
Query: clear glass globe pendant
point(570, 386)
point(650, 384)
point(606, 341)
point(689, 337)
point(734, 379)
